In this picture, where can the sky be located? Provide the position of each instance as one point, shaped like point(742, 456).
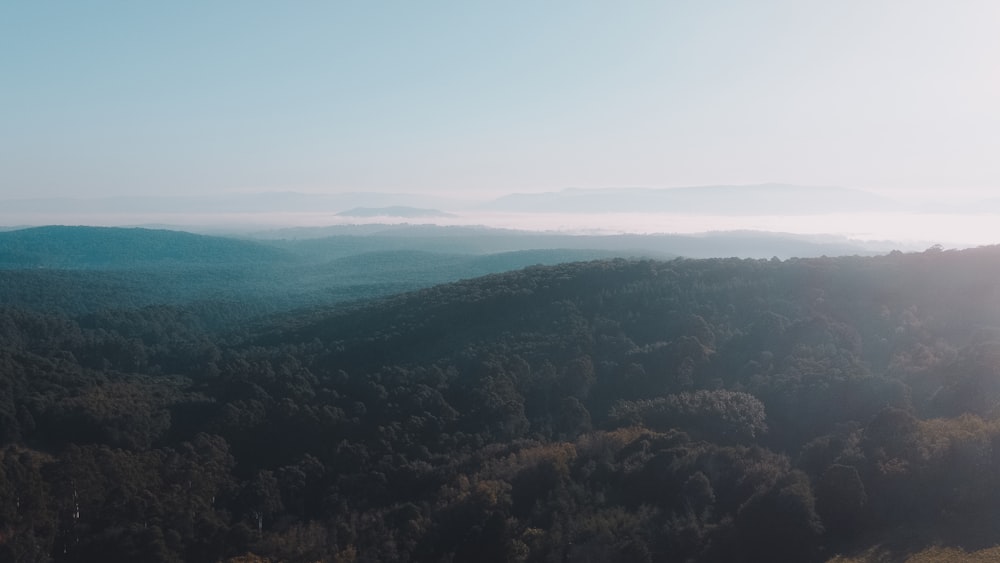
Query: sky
point(482, 98)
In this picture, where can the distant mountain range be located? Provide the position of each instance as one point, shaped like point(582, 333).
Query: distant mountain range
point(723, 200)
point(401, 211)
point(762, 207)
point(763, 199)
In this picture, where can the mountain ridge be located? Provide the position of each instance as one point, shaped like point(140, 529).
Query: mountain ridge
point(755, 199)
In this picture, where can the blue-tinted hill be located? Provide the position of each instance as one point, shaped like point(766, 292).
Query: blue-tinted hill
point(115, 248)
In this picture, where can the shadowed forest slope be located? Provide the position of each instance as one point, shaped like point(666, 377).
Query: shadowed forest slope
point(615, 410)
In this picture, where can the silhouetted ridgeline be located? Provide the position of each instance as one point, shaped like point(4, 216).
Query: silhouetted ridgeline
point(616, 410)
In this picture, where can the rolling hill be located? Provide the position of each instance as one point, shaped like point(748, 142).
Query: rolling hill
point(723, 410)
point(112, 247)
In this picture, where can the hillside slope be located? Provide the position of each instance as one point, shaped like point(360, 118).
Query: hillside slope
point(77, 270)
point(615, 410)
point(117, 248)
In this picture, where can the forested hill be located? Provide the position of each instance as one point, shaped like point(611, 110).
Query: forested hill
point(81, 270)
point(114, 247)
point(645, 298)
point(616, 410)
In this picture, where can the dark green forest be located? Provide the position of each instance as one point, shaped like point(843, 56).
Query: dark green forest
point(610, 410)
point(224, 280)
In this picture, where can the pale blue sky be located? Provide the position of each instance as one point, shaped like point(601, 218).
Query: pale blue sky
point(106, 98)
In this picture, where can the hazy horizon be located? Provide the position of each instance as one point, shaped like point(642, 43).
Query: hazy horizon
point(457, 102)
point(927, 222)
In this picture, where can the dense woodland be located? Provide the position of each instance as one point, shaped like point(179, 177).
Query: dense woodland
point(80, 270)
point(613, 410)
